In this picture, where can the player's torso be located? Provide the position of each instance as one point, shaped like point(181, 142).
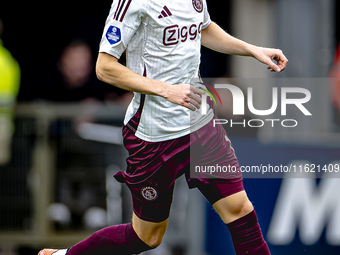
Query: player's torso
point(166, 47)
point(176, 23)
point(169, 39)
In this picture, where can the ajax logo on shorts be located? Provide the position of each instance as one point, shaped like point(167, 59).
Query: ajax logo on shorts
point(149, 193)
point(113, 35)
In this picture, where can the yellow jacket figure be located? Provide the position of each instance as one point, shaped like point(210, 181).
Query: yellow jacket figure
point(9, 88)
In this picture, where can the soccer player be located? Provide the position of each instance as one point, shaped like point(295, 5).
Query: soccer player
point(163, 40)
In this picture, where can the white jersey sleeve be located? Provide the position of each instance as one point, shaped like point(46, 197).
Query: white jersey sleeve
point(206, 17)
point(122, 23)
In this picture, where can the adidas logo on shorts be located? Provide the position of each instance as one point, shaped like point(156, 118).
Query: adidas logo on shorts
point(165, 13)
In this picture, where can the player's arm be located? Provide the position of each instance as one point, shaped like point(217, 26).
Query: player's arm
point(215, 38)
point(109, 70)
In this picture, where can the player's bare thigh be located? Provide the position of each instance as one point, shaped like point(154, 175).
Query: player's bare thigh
point(233, 207)
point(149, 232)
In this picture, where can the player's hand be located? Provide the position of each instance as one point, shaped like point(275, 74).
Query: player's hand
point(267, 55)
point(184, 95)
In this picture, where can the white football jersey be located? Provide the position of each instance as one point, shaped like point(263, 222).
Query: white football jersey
point(162, 40)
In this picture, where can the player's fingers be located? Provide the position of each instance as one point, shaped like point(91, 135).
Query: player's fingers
point(281, 60)
point(189, 106)
point(195, 97)
point(195, 103)
point(282, 63)
point(197, 91)
point(273, 66)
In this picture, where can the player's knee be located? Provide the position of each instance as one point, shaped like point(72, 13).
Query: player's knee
point(233, 207)
point(155, 240)
point(150, 233)
point(241, 208)
point(153, 237)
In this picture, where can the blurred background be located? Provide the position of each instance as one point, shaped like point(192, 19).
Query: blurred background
point(60, 129)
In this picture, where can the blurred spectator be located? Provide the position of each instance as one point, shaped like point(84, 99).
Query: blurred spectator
point(73, 78)
point(9, 88)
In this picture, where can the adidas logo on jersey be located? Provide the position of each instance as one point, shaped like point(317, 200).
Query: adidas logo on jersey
point(165, 13)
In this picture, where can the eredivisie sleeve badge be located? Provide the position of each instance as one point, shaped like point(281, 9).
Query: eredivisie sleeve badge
point(114, 35)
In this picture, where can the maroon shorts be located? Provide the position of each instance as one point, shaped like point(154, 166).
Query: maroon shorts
point(153, 167)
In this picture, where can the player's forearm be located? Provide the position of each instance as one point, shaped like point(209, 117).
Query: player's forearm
point(215, 38)
point(110, 71)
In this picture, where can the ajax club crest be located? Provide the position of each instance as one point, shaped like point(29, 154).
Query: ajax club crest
point(149, 193)
point(198, 5)
point(113, 35)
